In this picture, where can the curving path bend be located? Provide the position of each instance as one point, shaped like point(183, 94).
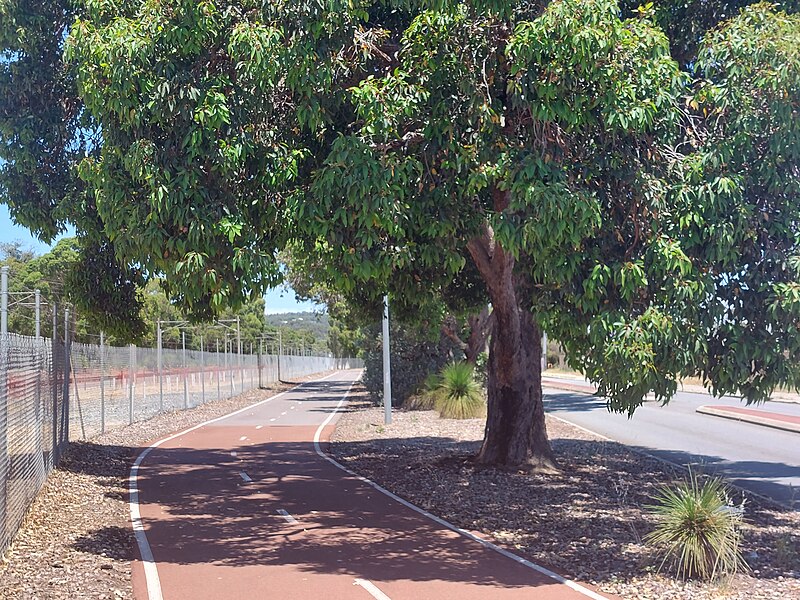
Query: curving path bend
point(249, 506)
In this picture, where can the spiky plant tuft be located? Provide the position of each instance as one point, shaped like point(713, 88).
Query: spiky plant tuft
point(698, 531)
point(459, 395)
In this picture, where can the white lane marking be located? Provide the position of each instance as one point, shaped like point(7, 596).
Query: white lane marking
point(233, 454)
point(271, 420)
point(145, 551)
point(283, 413)
point(291, 407)
point(372, 589)
point(243, 438)
point(245, 476)
point(259, 426)
point(485, 543)
point(287, 517)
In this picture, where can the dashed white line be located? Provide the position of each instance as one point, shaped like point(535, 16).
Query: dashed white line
point(243, 438)
point(271, 420)
point(287, 517)
point(283, 413)
point(245, 476)
point(259, 426)
point(371, 588)
point(146, 552)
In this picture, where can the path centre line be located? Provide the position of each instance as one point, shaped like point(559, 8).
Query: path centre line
point(286, 516)
point(372, 589)
point(485, 543)
point(145, 551)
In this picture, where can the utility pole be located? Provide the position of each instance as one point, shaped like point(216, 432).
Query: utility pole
point(4, 300)
point(544, 351)
point(37, 302)
point(387, 367)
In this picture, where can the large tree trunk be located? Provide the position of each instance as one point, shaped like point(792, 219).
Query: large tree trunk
point(515, 434)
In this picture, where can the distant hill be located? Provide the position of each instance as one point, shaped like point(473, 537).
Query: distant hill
point(316, 323)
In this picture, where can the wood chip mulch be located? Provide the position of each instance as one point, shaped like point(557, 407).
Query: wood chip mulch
point(587, 522)
point(76, 542)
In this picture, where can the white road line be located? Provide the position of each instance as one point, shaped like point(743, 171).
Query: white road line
point(372, 589)
point(245, 476)
point(145, 551)
point(233, 454)
point(287, 517)
point(243, 438)
point(259, 426)
point(485, 543)
point(283, 413)
point(271, 420)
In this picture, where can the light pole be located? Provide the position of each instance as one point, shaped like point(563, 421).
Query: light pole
point(387, 368)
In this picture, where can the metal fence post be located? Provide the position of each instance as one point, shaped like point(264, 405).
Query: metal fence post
point(131, 364)
point(185, 377)
point(280, 351)
point(219, 391)
point(65, 404)
point(54, 387)
point(202, 373)
point(160, 370)
point(239, 353)
point(4, 466)
point(102, 385)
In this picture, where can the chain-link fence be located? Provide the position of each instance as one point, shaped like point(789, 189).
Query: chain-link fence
point(49, 396)
point(33, 422)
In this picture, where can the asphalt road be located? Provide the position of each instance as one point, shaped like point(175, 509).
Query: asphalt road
point(757, 458)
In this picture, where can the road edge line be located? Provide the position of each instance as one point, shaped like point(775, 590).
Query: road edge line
point(474, 537)
point(760, 420)
point(151, 577)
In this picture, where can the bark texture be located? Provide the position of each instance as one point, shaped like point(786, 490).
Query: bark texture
point(516, 435)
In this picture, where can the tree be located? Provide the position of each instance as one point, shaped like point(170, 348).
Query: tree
point(596, 184)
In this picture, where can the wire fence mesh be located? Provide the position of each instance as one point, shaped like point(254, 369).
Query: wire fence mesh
point(52, 392)
point(33, 422)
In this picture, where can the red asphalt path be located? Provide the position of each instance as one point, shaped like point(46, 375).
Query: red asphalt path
point(245, 507)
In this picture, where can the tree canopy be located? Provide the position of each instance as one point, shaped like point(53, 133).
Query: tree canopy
point(626, 179)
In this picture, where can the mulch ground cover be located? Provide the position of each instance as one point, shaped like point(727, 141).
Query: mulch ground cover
point(586, 522)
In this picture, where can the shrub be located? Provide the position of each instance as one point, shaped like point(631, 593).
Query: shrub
point(698, 531)
point(414, 356)
point(459, 395)
point(425, 399)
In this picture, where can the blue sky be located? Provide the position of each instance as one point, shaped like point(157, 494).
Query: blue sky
point(279, 300)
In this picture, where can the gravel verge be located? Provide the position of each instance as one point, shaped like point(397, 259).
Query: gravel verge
point(587, 522)
point(76, 541)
